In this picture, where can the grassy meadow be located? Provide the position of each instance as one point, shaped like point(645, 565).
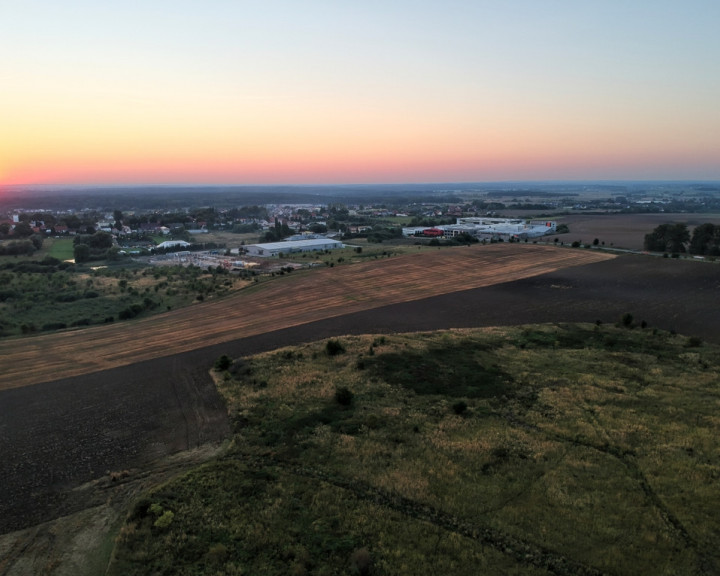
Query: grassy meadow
point(544, 449)
point(62, 249)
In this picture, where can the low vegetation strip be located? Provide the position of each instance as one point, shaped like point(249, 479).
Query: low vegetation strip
point(287, 301)
point(541, 449)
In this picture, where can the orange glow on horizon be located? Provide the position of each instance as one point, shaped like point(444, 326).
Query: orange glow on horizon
point(427, 154)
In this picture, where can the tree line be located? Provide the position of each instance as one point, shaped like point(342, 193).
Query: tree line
point(676, 239)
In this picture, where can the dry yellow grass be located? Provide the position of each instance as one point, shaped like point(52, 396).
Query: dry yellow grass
point(288, 301)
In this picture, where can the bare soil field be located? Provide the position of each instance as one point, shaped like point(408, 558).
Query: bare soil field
point(77, 406)
point(625, 230)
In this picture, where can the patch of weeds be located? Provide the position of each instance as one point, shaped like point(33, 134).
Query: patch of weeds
point(291, 355)
point(338, 417)
point(460, 370)
point(566, 337)
point(526, 396)
point(240, 369)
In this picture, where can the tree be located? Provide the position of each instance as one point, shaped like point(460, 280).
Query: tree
point(668, 237)
point(118, 216)
point(318, 228)
point(278, 232)
point(71, 221)
point(679, 236)
point(23, 229)
point(96, 241)
point(705, 240)
point(37, 241)
point(81, 253)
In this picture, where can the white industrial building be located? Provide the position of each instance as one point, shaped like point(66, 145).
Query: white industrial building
point(173, 244)
point(292, 246)
point(491, 227)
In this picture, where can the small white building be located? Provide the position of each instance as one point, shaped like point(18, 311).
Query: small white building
point(292, 246)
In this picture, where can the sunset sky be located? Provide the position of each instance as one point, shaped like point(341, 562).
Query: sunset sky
point(346, 91)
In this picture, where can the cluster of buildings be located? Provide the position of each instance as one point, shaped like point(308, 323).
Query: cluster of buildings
point(487, 228)
point(480, 227)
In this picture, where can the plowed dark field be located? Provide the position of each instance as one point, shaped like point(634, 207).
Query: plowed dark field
point(64, 420)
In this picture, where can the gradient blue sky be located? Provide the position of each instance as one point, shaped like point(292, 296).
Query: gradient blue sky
point(341, 92)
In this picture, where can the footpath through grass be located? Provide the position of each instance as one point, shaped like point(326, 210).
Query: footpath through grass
point(553, 449)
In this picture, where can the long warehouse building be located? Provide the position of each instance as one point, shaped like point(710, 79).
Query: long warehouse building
point(292, 246)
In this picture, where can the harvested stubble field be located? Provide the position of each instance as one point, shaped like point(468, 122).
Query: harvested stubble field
point(81, 419)
point(300, 298)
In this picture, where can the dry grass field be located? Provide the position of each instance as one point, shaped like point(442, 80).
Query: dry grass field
point(576, 449)
point(288, 301)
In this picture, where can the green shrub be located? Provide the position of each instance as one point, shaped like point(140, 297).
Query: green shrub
point(344, 396)
point(334, 347)
point(165, 520)
point(54, 326)
point(459, 407)
point(223, 363)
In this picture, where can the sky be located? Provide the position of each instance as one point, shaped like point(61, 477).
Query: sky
point(345, 91)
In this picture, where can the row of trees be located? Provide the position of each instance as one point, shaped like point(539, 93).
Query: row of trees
point(676, 238)
point(24, 247)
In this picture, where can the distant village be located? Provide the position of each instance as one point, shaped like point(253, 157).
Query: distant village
point(296, 227)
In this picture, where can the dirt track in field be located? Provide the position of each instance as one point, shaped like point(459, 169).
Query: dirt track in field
point(288, 301)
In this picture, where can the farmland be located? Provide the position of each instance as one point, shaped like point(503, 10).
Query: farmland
point(126, 396)
point(288, 301)
point(624, 230)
